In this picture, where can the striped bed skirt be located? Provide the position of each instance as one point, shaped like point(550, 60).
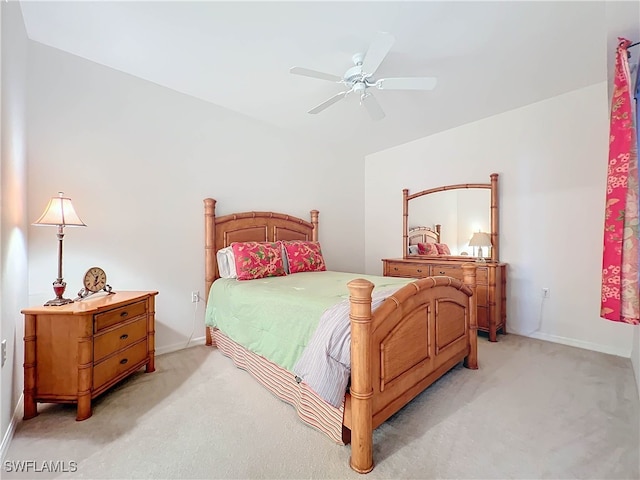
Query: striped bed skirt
point(311, 409)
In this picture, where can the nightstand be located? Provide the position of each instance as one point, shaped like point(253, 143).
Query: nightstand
point(74, 352)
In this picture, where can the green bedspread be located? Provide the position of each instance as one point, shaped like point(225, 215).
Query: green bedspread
point(275, 317)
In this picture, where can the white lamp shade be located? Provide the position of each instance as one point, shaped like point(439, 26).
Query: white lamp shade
point(60, 211)
point(480, 239)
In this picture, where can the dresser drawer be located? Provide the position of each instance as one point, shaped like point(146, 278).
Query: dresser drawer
point(117, 315)
point(110, 368)
point(114, 340)
point(412, 270)
point(447, 270)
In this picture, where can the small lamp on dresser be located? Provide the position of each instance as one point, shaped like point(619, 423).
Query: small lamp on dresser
point(60, 213)
point(480, 239)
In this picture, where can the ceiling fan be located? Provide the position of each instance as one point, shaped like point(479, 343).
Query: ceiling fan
point(359, 78)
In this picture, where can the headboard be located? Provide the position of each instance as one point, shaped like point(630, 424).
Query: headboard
point(220, 232)
point(424, 235)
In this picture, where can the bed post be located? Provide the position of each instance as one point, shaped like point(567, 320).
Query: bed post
point(314, 222)
point(495, 237)
point(361, 386)
point(469, 273)
point(210, 270)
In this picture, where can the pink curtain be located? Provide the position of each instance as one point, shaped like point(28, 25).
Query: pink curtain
point(620, 296)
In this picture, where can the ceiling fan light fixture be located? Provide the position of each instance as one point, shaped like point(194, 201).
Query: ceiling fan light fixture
point(359, 87)
point(359, 77)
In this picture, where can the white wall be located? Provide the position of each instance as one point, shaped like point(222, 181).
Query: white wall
point(552, 161)
point(13, 212)
point(138, 159)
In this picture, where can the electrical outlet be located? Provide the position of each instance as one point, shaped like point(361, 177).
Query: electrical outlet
point(545, 292)
point(4, 352)
point(195, 297)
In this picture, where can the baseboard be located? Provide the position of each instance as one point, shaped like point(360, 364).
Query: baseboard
point(8, 436)
point(581, 344)
point(180, 346)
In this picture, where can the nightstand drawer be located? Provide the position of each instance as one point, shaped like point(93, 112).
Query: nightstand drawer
point(412, 270)
point(109, 369)
point(447, 270)
point(104, 320)
point(114, 340)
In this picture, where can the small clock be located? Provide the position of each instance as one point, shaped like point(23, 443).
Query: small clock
point(94, 281)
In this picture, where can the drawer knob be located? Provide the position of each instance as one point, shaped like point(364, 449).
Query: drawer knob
point(124, 314)
point(395, 268)
point(124, 337)
point(441, 273)
point(419, 271)
point(123, 361)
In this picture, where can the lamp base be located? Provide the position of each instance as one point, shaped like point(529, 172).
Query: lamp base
point(56, 302)
point(59, 287)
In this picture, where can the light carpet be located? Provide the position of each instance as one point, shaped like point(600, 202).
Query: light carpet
point(533, 410)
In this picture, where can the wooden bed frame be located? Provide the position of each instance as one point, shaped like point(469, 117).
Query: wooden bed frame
point(424, 235)
point(414, 337)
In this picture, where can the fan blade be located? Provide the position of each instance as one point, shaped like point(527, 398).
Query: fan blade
point(372, 106)
point(377, 51)
point(327, 103)
point(314, 74)
point(416, 83)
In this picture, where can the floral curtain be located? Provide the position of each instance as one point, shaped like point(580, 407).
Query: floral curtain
point(620, 277)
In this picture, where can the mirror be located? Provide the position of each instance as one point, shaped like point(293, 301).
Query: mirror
point(450, 215)
point(457, 214)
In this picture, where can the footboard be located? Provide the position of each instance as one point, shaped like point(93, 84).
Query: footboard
point(411, 340)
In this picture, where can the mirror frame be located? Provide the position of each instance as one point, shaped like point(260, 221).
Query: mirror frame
point(492, 186)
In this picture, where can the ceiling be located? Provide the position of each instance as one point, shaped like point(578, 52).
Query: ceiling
point(489, 57)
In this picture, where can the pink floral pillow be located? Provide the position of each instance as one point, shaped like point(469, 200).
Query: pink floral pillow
point(427, 249)
point(258, 259)
point(304, 256)
point(443, 248)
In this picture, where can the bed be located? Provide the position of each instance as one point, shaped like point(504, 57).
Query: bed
point(416, 334)
point(423, 240)
point(424, 234)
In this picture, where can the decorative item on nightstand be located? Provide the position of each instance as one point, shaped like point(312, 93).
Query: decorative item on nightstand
point(94, 281)
point(480, 239)
point(60, 213)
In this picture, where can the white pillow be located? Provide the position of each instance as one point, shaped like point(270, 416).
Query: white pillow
point(226, 263)
point(285, 260)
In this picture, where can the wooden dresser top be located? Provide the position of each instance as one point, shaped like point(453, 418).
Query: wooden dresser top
point(91, 305)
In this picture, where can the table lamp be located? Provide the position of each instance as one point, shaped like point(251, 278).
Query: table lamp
point(480, 239)
point(59, 212)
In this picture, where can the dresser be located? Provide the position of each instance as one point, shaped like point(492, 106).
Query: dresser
point(491, 278)
point(75, 352)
